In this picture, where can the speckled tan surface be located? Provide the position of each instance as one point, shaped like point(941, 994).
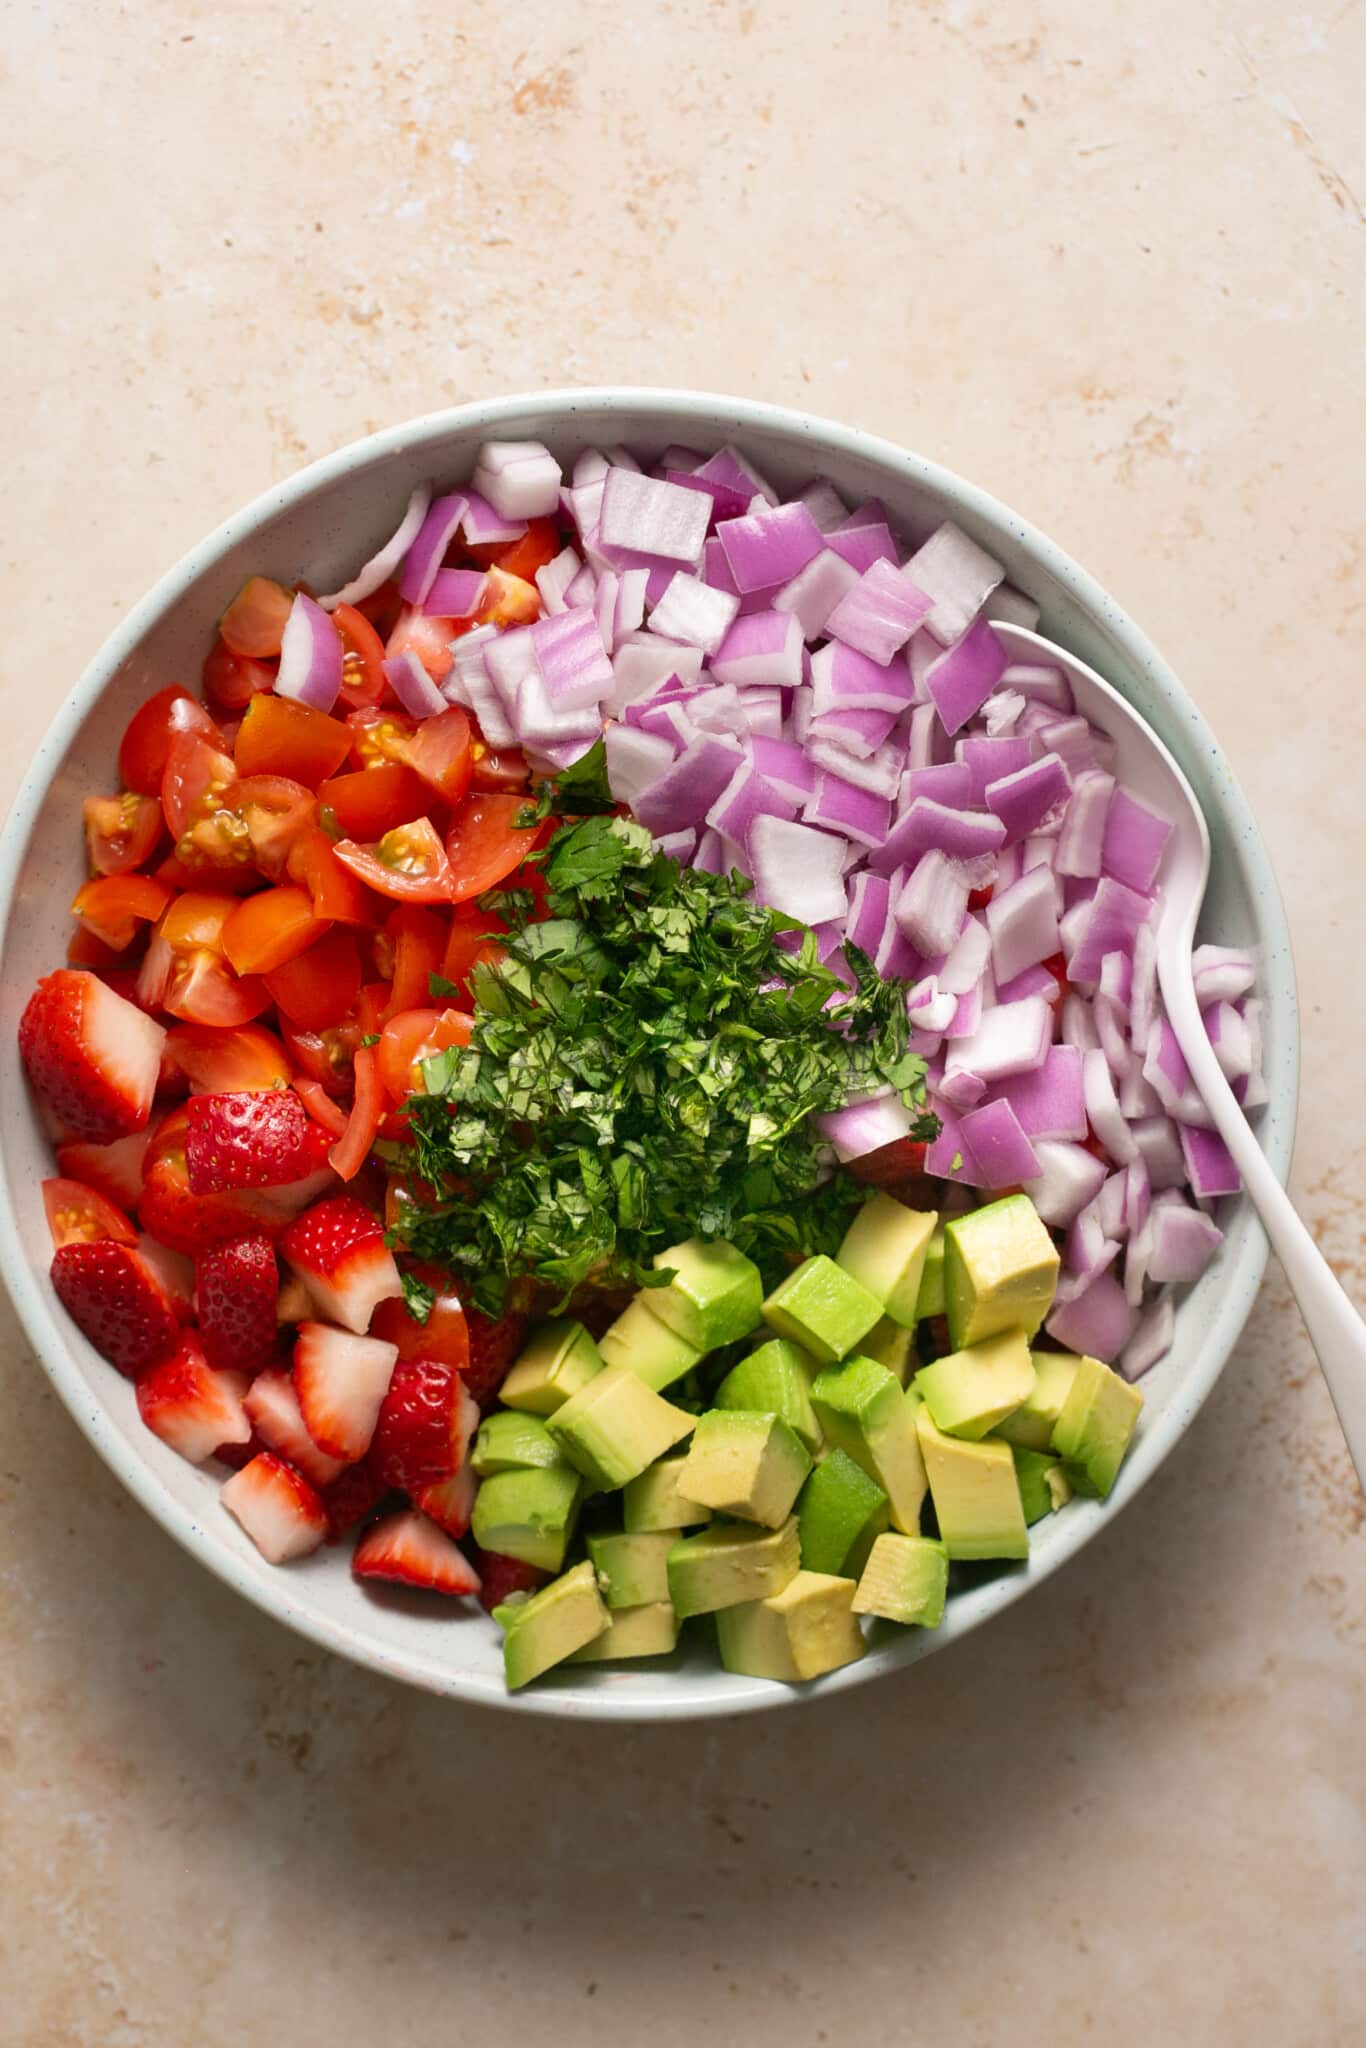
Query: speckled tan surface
point(1117, 277)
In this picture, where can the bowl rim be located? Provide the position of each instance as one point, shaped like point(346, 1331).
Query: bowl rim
point(50, 1341)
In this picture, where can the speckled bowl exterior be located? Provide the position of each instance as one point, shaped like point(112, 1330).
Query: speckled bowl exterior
point(319, 525)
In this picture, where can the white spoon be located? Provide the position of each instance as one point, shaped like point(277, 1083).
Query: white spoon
point(1335, 1328)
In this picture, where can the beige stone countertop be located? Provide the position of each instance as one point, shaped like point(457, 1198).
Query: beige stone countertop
point(1109, 263)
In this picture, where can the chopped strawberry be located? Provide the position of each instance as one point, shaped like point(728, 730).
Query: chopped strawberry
point(277, 1507)
point(174, 1271)
point(190, 1406)
point(425, 1425)
point(236, 1286)
point(340, 1380)
point(115, 1171)
point(450, 1502)
point(353, 1498)
point(250, 1139)
point(92, 1056)
point(493, 1347)
point(405, 1549)
point(499, 1576)
point(337, 1249)
point(113, 1296)
point(77, 1214)
point(273, 1408)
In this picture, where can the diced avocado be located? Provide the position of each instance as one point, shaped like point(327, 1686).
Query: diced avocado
point(822, 1308)
point(744, 1463)
point(930, 1300)
point(558, 1362)
point(509, 1439)
point(804, 1630)
point(646, 1631)
point(975, 1492)
point(714, 1297)
point(1043, 1483)
point(648, 1346)
point(633, 1571)
point(776, 1380)
point(615, 1426)
point(528, 1513)
point(656, 1501)
point(884, 1248)
point(969, 1391)
point(892, 1345)
point(867, 1415)
point(551, 1625)
point(1092, 1433)
point(1000, 1270)
point(905, 1580)
point(728, 1563)
point(1031, 1426)
point(840, 1513)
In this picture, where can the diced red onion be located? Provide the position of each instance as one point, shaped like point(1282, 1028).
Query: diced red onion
point(543, 723)
point(865, 1127)
point(635, 760)
point(746, 797)
point(686, 791)
point(1099, 1323)
point(770, 545)
point(1083, 831)
point(765, 648)
point(1050, 1100)
point(1076, 1026)
point(930, 908)
point(926, 741)
point(1109, 1203)
point(868, 910)
point(1151, 1340)
point(762, 711)
point(455, 593)
point(711, 857)
point(1003, 1153)
point(783, 762)
point(841, 806)
point(965, 1023)
point(725, 503)
point(798, 870)
point(1041, 684)
point(1011, 607)
point(815, 592)
point(1183, 1243)
point(1035, 981)
point(412, 685)
point(880, 771)
point(1210, 1167)
point(965, 675)
point(1103, 1110)
point(1109, 921)
point(1069, 1178)
point(642, 664)
point(861, 546)
point(964, 966)
point(678, 457)
point(736, 473)
point(484, 527)
point(824, 503)
point(1136, 1098)
point(694, 612)
point(653, 518)
point(382, 564)
point(1166, 1072)
point(879, 614)
point(1222, 973)
point(1023, 922)
point(957, 575)
point(1134, 842)
point(679, 846)
point(857, 732)
point(1001, 714)
point(963, 834)
point(948, 783)
point(950, 1155)
point(1011, 1039)
point(520, 479)
point(990, 761)
point(842, 679)
point(928, 1006)
point(429, 546)
point(310, 668)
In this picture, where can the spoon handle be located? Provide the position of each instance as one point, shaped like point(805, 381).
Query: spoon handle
point(1335, 1327)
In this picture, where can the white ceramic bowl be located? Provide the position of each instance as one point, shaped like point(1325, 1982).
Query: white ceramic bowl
point(318, 525)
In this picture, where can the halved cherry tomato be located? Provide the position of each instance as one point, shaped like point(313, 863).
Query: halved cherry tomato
point(279, 737)
point(362, 658)
point(179, 874)
point(538, 545)
point(497, 771)
point(198, 774)
point(373, 801)
point(113, 906)
point(379, 735)
point(196, 919)
point(410, 1038)
point(114, 1171)
point(232, 680)
point(473, 938)
point(507, 601)
point(83, 949)
point(270, 928)
point(203, 989)
point(352, 1149)
point(254, 623)
point(320, 1105)
point(890, 1165)
point(324, 1056)
point(316, 989)
point(485, 844)
point(335, 892)
point(146, 742)
point(247, 1061)
point(409, 863)
point(418, 938)
point(275, 810)
point(444, 1336)
point(121, 832)
point(80, 1215)
point(428, 638)
point(440, 752)
point(371, 1004)
point(231, 824)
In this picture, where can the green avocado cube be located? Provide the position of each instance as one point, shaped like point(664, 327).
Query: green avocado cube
point(884, 1248)
point(892, 1344)
point(806, 1629)
point(840, 1513)
point(714, 1297)
point(822, 1308)
point(1031, 1425)
point(745, 1463)
point(656, 1500)
point(528, 1513)
point(1000, 1270)
point(615, 1426)
point(969, 1391)
point(865, 1414)
point(728, 1563)
point(1044, 1486)
point(1092, 1433)
point(649, 1347)
point(776, 1380)
point(930, 1300)
point(905, 1580)
point(558, 1362)
point(508, 1439)
point(551, 1625)
point(633, 1570)
point(975, 1492)
point(650, 1630)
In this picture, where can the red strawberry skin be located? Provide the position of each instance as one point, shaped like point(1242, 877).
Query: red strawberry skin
point(352, 1498)
point(277, 1507)
point(113, 1296)
point(273, 1410)
point(337, 1248)
point(91, 1055)
point(256, 1139)
point(414, 1441)
point(405, 1549)
point(236, 1289)
point(191, 1407)
point(187, 1222)
point(499, 1576)
point(115, 1171)
point(493, 1349)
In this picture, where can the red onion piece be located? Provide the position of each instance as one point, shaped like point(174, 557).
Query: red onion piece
point(841, 806)
point(1210, 1166)
point(1222, 973)
point(735, 473)
point(860, 733)
point(1135, 840)
point(685, 792)
point(861, 546)
point(965, 835)
point(1151, 1340)
point(1023, 922)
point(484, 526)
point(965, 675)
point(747, 796)
point(958, 577)
point(635, 759)
point(433, 538)
point(1083, 829)
point(949, 1155)
point(412, 685)
point(543, 723)
point(765, 648)
point(1003, 1153)
point(1099, 1323)
point(879, 614)
point(555, 579)
point(653, 518)
point(1103, 1110)
point(310, 656)
point(842, 679)
point(384, 563)
point(798, 870)
point(770, 545)
point(865, 1126)
point(694, 612)
point(1183, 1243)
point(784, 763)
point(520, 479)
point(1040, 684)
point(815, 591)
point(1050, 1100)
point(1069, 1178)
point(824, 503)
point(1011, 1039)
point(569, 652)
point(991, 760)
point(1109, 921)
point(455, 593)
point(930, 909)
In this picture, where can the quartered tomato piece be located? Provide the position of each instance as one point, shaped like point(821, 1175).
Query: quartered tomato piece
point(408, 863)
point(228, 1062)
point(317, 988)
point(279, 737)
point(428, 638)
point(414, 1036)
point(378, 736)
point(418, 939)
point(121, 832)
point(362, 658)
point(146, 742)
point(77, 1214)
point(113, 906)
point(202, 989)
point(485, 844)
point(114, 1170)
point(372, 801)
point(232, 680)
point(507, 601)
point(522, 558)
point(494, 771)
point(440, 751)
point(333, 889)
point(473, 937)
point(270, 928)
point(254, 623)
point(198, 774)
point(891, 1165)
point(324, 1056)
point(352, 1149)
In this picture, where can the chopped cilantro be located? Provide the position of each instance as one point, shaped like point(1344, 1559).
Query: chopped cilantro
point(371, 1038)
point(418, 1297)
point(579, 791)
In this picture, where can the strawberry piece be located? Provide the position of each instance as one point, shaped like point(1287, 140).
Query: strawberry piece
point(236, 1287)
point(192, 1223)
point(353, 1498)
point(190, 1406)
point(341, 1380)
point(175, 1273)
point(277, 1507)
point(114, 1171)
point(91, 1055)
point(493, 1348)
point(113, 1296)
point(450, 1502)
point(425, 1425)
point(499, 1576)
point(406, 1549)
point(250, 1139)
point(273, 1408)
point(337, 1249)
